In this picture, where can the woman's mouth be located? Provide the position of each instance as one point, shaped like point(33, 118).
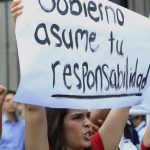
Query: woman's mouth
point(88, 135)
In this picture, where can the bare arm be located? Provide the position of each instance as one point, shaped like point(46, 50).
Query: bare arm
point(2, 97)
point(98, 116)
point(113, 127)
point(36, 128)
point(146, 137)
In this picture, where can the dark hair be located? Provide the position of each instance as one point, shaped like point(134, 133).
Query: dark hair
point(55, 121)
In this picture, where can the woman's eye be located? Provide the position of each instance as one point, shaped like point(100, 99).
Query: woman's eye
point(88, 115)
point(77, 117)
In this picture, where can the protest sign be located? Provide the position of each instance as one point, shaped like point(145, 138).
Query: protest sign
point(82, 54)
point(144, 107)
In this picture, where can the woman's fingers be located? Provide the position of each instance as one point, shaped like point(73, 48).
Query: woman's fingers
point(17, 13)
point(16, 9)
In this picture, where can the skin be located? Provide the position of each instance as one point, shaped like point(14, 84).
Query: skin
point(95, 116)
point(146, 137)
point(36, 122)
point(36, 128)
point(2, 98)
point(16, 9)
point(77, 126)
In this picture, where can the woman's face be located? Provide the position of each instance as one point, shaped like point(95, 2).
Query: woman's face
point(77, 129)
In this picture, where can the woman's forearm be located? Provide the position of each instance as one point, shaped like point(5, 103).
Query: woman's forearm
point(113, 127)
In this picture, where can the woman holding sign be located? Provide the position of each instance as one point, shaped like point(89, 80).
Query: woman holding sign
point(69, 129)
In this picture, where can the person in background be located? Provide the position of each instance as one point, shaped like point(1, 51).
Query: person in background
point(134, 130)
point(130, 134)
point(12, 137)
point(139, 124)
point(2, 98)
point(145, 145)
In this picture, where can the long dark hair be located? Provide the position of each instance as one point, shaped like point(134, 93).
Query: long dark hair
point(55, 121)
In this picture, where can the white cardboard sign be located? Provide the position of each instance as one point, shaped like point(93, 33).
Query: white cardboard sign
point(82, 54)
point(144, 107)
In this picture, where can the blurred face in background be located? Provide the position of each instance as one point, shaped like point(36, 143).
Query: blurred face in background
point(9, 106)
point(136, 121)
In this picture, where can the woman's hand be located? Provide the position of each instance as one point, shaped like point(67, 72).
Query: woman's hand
point(16, 9)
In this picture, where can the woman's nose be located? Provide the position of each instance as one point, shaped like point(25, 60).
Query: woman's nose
point(87, 122)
